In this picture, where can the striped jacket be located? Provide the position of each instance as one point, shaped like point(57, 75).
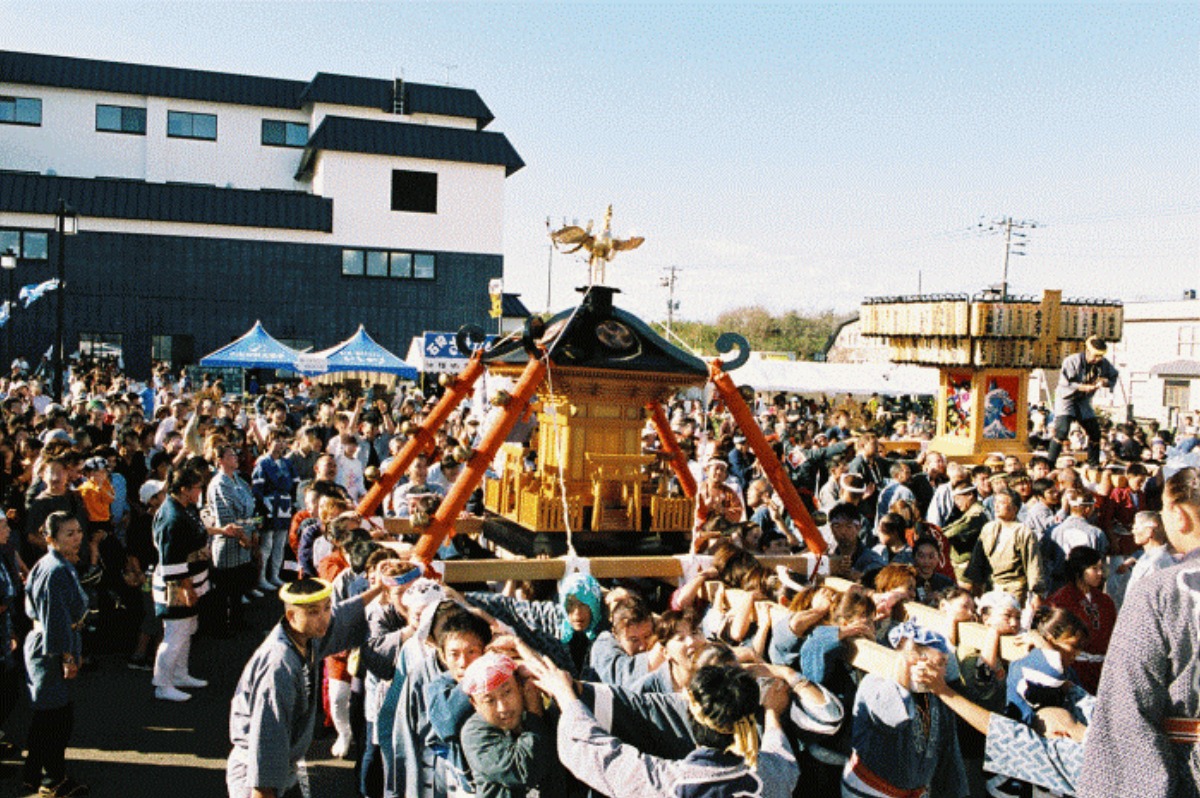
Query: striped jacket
point(182, 545)
point(274, 483)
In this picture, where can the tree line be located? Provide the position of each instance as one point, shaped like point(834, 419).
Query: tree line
point(805, 334)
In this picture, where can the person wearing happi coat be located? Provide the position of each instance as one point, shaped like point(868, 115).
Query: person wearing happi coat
point(277, 697)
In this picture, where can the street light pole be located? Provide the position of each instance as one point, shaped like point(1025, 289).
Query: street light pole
point(9, 263)
point(66, 224)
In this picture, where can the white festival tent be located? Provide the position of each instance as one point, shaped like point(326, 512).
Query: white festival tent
point(807, 377)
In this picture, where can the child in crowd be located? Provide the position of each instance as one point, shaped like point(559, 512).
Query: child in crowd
point(927, 557)
point(97, 494)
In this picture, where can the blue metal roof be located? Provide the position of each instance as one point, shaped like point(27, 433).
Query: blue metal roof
point(419, 98)
point(511, 307)
point(376, 137)
point(165, 202)
point(37, 69)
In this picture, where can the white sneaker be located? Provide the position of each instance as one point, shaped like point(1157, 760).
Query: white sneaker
point(171, 694)
point(341, 747)
point(277, 582)
point(255, 593)
point(246, 599)
point(190, 682)
point(265, 586)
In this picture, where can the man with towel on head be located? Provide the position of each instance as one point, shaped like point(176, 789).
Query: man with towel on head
point(1081, 376)
point(278, 695)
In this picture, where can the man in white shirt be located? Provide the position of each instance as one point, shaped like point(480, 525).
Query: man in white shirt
point(1151, 538)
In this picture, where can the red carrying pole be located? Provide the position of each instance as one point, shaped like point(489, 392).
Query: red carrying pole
point(766, 457)
point(476, 467)
point(670, 445)
point(458, 389)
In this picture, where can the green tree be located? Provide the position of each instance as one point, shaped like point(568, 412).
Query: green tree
point(793, 332)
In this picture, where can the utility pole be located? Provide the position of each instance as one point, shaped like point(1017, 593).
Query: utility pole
point(668, 282)
point(1014, 242)
point(549, 267)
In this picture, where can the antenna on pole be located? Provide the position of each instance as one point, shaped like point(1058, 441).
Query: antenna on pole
point(1014, 241)
point(668, 282)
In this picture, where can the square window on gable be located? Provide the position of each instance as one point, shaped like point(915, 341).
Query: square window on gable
point(415, 192)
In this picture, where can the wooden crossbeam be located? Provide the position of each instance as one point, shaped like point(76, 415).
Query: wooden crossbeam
point(969, 633)
point(659, 567)
point(869, 656)
point(464, 525)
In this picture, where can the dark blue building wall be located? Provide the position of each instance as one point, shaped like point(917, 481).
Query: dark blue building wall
point(214, 289)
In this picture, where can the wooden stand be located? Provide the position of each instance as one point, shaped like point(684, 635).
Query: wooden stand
point(980, 411)
point(986, 349)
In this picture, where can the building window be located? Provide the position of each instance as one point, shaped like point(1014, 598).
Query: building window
point(397, 265)
point(26, 244)
point(183, 125)
point(20, 111)
point(352, 262)
point(1176, 393)
point(121, 119)
point(377, 264)
point(178, 350)
point(415, 192)
point(1189, 340)
point(102, 347)
point(402, 265)
point(423, 267)
point(284, 134)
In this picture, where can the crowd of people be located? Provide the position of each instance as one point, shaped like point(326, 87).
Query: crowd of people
point(145, 514)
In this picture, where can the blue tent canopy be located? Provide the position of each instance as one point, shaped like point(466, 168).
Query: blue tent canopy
point(359, 352)
point(254, 350)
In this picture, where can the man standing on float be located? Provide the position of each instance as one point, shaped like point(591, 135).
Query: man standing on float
point(1082, 374)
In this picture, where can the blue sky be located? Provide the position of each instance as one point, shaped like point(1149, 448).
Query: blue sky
point(794, 156)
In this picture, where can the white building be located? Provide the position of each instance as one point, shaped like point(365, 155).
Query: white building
point(1159, 360)
point(209, 200)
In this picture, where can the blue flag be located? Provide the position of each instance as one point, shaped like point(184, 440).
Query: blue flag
point(32, 293)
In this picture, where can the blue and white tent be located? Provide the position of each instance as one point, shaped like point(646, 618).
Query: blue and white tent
point(359, 352)
point(254, 350)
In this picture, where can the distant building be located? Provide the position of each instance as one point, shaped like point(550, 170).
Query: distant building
point(209, 200)
point(513, 313)
point(1159, 361)
point(848, 345)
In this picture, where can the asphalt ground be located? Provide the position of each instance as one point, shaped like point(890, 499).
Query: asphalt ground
point(127, 744)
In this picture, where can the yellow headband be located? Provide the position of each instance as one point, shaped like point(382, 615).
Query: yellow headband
point(289, 596)
point(744, 732)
